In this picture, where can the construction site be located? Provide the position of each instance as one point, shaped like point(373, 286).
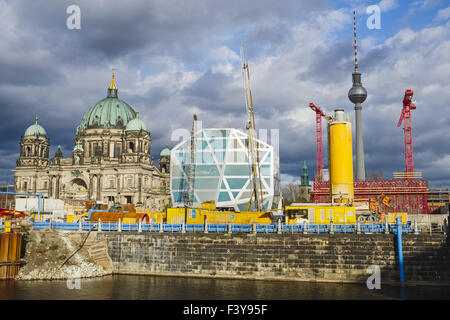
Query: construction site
point(224, 174)
point(227, 180)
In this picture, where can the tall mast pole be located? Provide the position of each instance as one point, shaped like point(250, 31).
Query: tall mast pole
point(358, 95)
point(252, 147)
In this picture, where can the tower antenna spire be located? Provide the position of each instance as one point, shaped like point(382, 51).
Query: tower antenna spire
point(354, 38)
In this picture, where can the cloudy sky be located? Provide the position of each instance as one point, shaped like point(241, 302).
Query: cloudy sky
point(177, 58)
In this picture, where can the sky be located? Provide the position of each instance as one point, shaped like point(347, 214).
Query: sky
point(177, 58)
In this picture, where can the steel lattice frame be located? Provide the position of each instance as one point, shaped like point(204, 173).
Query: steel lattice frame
point(407, 195)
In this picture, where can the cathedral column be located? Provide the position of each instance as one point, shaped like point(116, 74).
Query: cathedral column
point(91, 186)
point(99, 187)
point(50, 187)
point(34, 183)
point(140, 188)
point(57, 186)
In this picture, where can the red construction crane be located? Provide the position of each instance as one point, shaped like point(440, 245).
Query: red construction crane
point(319, 115)
point(408, 105)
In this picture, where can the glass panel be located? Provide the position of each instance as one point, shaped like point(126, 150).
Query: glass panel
point(237, 170)
point(180, 156)
point(178, 196)
point(218, 144)
point(223, 185)
point(242, 207)
point(234, 144)
point(265, 170)
point(246, 194)
point(224, 196)
point(204, 157)
point(206, 183)
point(235, 194)
point(178, 184)
point(206, 195)
point(216, 133)
point(175, 171)
point(220, 156)
point(268, 159)
point(206, 170)
point(201, 145)
point(237, 156)
point(236, 183)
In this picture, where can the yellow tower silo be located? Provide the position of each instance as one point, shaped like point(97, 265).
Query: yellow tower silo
point(340, 158)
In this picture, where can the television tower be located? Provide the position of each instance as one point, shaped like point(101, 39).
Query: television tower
point(358, 95)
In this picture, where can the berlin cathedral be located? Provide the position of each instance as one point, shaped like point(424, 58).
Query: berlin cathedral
point(110, 161)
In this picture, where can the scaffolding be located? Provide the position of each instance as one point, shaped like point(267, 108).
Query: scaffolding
point(407, 195)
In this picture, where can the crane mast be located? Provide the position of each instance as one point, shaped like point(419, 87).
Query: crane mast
point(319, 115)
point(405, 117)
point(189, 191)
point(255, 176)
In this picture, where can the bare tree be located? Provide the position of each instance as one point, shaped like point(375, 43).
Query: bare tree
point(292, 193)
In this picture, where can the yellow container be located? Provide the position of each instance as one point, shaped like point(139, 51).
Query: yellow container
point(156, 217)
point(195, 216)
point(199, 216)
point(392, 217)
point(176, 215)
point(7, 226)
point(322, 214)
point(340, 158)
point(211, 206)
point(129, 220)
point(71, 218)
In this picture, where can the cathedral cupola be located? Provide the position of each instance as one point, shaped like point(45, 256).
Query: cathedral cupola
point(34, 146)
point(164, 160)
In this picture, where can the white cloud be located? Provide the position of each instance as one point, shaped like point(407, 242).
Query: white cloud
point(442, 15)
point(386, 5)
point(307, 60)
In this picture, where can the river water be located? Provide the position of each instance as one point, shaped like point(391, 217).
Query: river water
point(128, 287)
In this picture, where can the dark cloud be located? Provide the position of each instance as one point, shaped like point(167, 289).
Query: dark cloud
point(170, 66)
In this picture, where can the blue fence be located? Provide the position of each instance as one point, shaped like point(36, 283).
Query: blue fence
point(222, 228)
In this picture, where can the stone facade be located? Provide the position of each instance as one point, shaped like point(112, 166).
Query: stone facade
point(110, 162)
point(311, 257)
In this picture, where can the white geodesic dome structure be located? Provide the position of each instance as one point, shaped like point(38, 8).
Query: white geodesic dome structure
point(222, 170)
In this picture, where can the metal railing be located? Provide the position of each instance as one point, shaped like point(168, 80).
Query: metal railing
point(228, 228)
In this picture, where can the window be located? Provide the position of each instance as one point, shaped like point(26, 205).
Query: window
point(25, 185)
point(117, 151)
point(128, 199)
point(111, 184)
point(130, 183)
point(45, 184)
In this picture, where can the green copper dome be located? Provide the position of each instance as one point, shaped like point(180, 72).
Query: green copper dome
point(78, 148)
point(110, 112)
point(135, 125)
point(165, 152)
point(35, 129)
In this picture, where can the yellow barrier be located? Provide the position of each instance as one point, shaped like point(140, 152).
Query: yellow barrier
point(199, 215)
point(321, 214)
point(392, 217)
point(7, 226)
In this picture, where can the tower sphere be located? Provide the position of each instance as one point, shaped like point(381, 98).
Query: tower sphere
point(357, 94)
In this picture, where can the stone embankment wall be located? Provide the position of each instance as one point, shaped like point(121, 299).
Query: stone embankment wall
point(47, 250)
point(311, 257)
